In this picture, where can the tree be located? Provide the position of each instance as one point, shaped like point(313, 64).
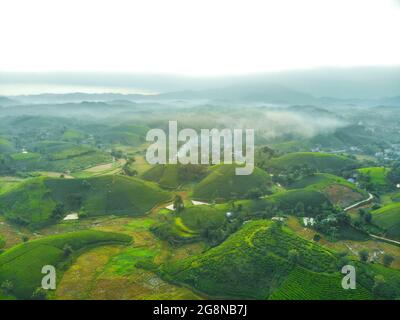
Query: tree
point(293, 256)
point(299, 208)
point(118, 154)
point(128, 171)
point(317, 237)
point(254, 193)
point(25, 238)
point(58, 211)
point(367, 217)
point(86, 184)
point(178, 203)
point(7, 286)
point(388, 259)
point(67, 249)
point(363, 254)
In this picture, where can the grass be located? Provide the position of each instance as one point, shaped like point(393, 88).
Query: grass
point(378, 175)
point(23, 263)
point(254, 263)
point(222, 182)
point(35, 199)
point(322, 162)
point(388, 219)
point(248, 264)
point(59, 156)
point(301, 285)
point(125, 262)
point(338, 190)
point(174, 175)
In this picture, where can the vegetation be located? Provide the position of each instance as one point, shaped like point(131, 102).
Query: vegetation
point(222, 182)
point(388, 219)
point(263, 260)
point(21, 266)
point(321, 162)
point(38, 201)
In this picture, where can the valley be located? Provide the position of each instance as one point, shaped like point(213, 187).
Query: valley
point(77, 192)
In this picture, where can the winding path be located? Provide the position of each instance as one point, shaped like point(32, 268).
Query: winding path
point(370, 196)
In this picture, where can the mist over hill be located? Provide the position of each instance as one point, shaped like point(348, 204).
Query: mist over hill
point(362, 83)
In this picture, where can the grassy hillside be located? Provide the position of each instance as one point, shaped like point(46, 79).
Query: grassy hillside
point(258, 262)
point(22, 264)
point(287, 200)
point(321, 162)
point(222, 182)
point(32, 202)
point(174, 175)
point(186, 226)
point(59, 156)
point(301, 285)
point(388, 219)
point(377, 174)
point(320, 181)
point(337, 190)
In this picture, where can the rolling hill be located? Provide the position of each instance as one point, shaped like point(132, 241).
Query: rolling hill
point(174, 175)
point(336, 189)
point(388, 219)
point(22, 264)
point(378, 175)
point(321, 162)
point(222, 182)
point(33, 201)
point(265, 261)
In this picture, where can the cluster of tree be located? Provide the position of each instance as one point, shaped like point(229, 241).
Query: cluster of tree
point(293, 174)
point(58, 212)
point(127, 167)
point(192, 172)
point(394, 174)
point(330, 221)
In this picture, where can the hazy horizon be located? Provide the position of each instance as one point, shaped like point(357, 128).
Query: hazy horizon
point(356, 82)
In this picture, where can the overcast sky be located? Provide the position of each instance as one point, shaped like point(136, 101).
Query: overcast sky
point(202, 37)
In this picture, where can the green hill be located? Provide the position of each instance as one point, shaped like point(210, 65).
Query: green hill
point(376, 174)
point(222, 182)
point(174, 175)
point(59, 156)
point(337, 190)
point(32, 202)
point(287, 200)
point(187, 225)
point(22, 264)
point(263, 261)
point(388, 219)
point(321, 162)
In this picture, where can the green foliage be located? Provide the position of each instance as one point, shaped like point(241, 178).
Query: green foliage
point(321, 162)
point(40, 201)
point(250, 263)
point(21, 265)
point(388, 219)
point(174, 175)
point(222, 182)
point(387, 260)
point(363, 254)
